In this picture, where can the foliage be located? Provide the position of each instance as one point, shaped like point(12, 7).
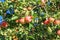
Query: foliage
point(36, 24)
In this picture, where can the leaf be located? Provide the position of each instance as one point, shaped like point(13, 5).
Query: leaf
point(49, 30)
point(14, 18)
point(30, 26)
point(27, 13)
point(31, 37)
point(32, 12)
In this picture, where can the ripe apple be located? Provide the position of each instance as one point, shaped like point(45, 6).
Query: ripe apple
point(56, 22)
point(28, 19)
point(58, 32)
point(4, 24)
point(51, 19)
point(46, 21)
point(22, 20)
point(17, 21)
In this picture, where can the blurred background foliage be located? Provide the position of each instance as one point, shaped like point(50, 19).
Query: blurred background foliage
point(11, 10)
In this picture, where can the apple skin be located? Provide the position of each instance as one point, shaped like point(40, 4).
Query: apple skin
point(46, 22)
point(57, 22)
point(28, 19)
point(51, 19)
point(22, 20)
point(58, 32)
point(4, 24)
point(17, 21)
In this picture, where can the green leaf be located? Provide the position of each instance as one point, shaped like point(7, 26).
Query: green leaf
point(31, 37)
point(30, 26)
point(14, 18)
point(49, 30)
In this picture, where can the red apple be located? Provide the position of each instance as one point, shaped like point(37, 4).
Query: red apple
point(46, 21)
point(28, 19)
point(4, 24)
point(17, 21)
point(51, 19)
point(58, 32)
point(57, 22)
point(22, 20)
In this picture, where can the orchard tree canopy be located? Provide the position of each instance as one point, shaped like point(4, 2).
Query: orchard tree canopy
point(29, 20)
